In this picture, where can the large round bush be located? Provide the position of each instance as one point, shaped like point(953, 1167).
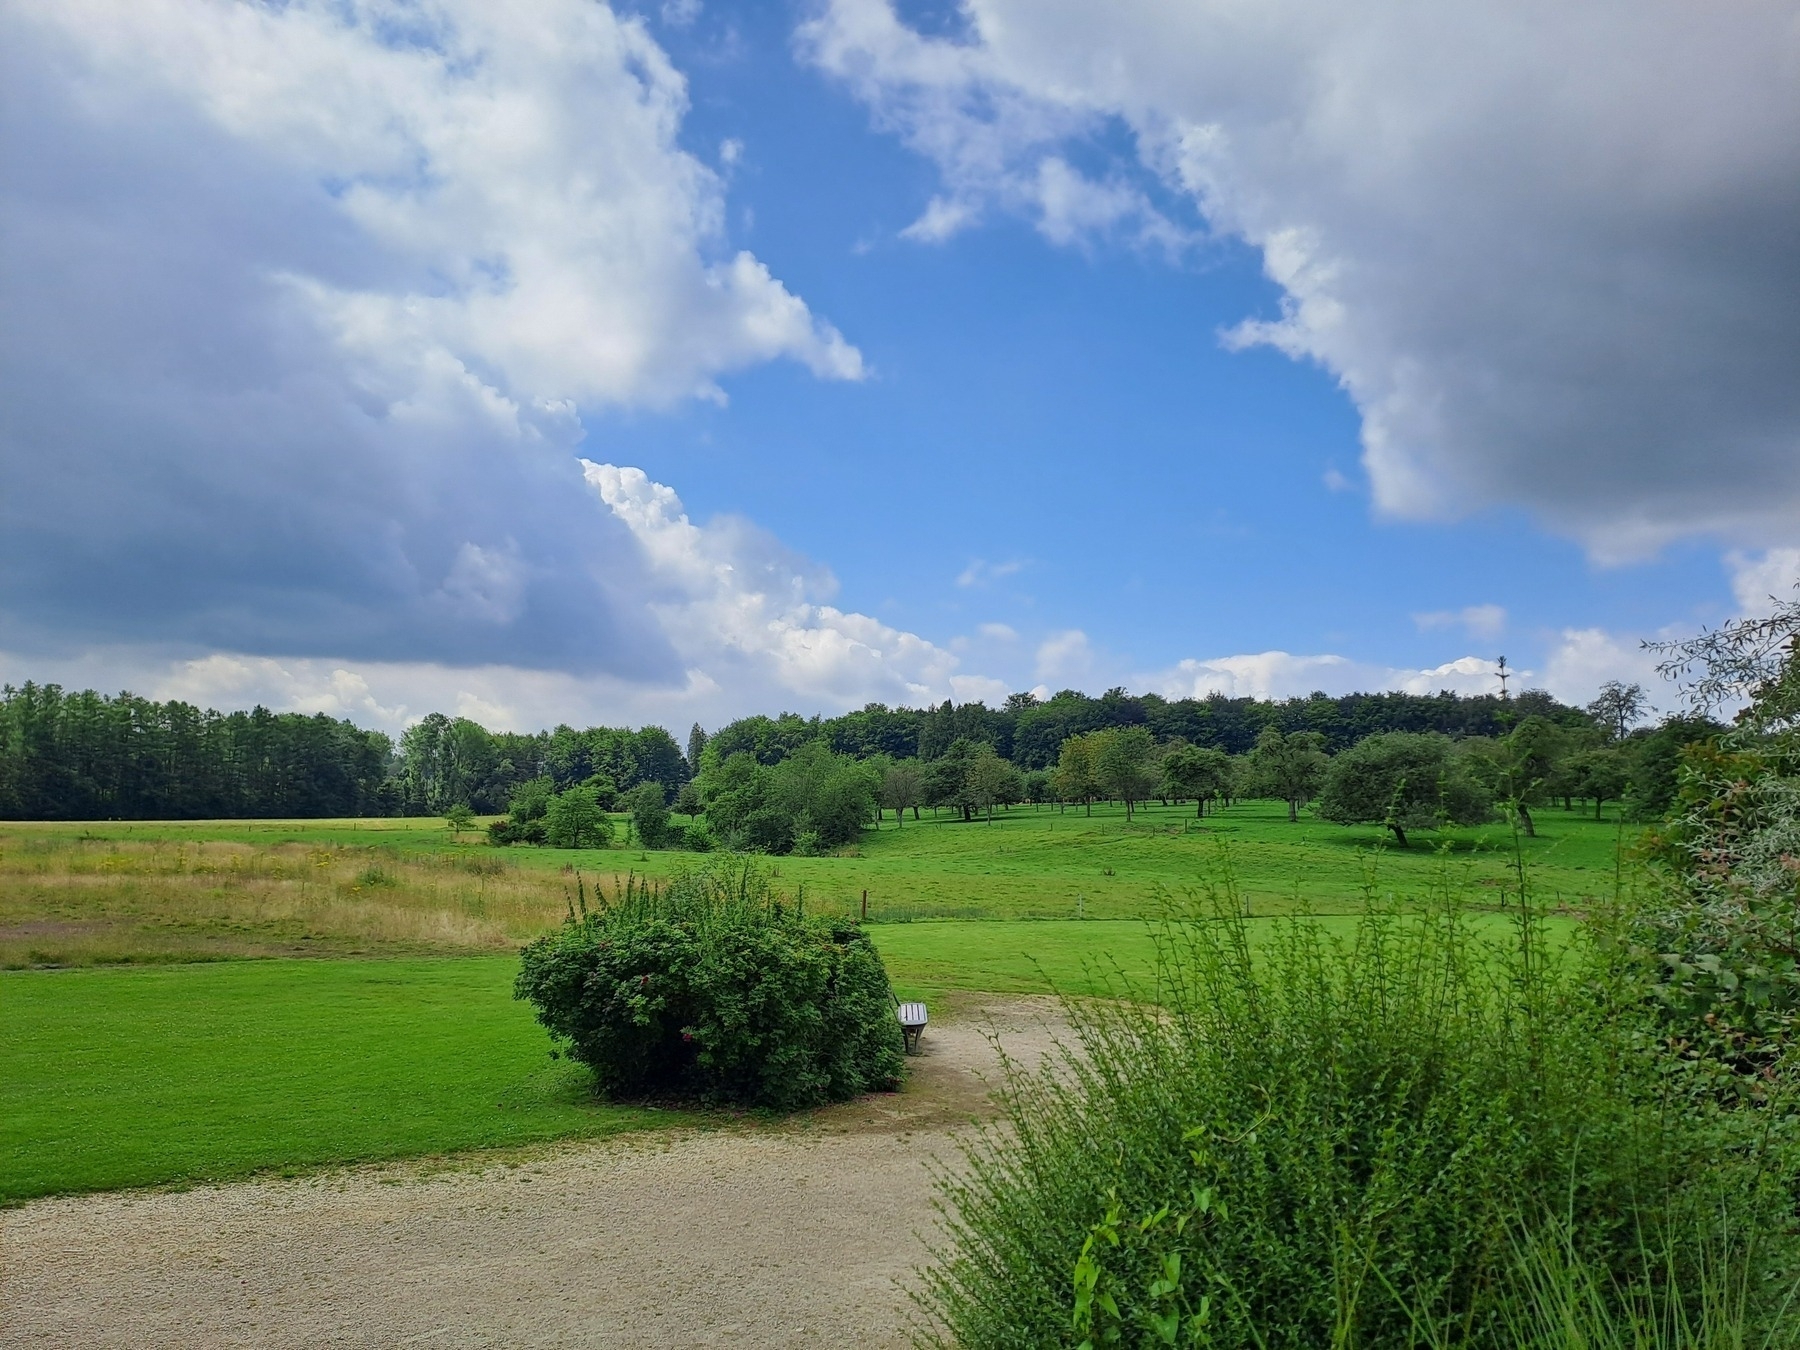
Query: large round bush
point(716, 989)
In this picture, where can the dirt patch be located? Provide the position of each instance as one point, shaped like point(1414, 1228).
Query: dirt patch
point(802, 1234)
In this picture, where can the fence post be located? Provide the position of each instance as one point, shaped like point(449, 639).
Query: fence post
point(865, 906)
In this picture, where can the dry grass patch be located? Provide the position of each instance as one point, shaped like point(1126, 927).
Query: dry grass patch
point(68, 900)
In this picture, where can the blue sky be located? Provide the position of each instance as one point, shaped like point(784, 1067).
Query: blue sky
point(932, 320)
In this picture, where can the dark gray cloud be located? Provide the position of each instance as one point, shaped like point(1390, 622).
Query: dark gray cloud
point(296, 323)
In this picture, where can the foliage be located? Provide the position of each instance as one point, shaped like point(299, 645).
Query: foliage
point(1322, 1145)
point(459, 818)
point(1076, 778)
point(717, 989)
point(1124, 764)
point(902, 786)
point(573, 819)
point(758, 808)
point(650, 817)
point(81, 756)
point(1290, 768)
point(1618, 707)
point(1404, 780)
point(947, 776)
point(992, 780)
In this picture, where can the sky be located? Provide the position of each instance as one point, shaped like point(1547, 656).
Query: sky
point(673, 361)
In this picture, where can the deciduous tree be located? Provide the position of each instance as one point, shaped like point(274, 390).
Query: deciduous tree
point(1289, 767)
point(1405, 780)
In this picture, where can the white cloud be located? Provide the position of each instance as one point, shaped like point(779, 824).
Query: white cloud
point(306, 302)
point(1547, 249)
point(999, 632)
point(1335, 481)
point(745, 614)
point(1279, 674)
point(1756, 580)
point(1065, 658)
point(981, 572)
point(1586, 658)
point(1478, 621)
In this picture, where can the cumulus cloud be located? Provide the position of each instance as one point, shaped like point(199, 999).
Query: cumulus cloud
point(1065, 658)
point(1284, 675)
point(305, 304)
point(1478, 621)
point(1547, 249)
point(1759, 579)
point(746, 614)
point(1583, 659)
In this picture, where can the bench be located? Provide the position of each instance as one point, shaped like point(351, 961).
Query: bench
point(912, 1022)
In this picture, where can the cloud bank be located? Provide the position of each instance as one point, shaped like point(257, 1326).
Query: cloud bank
point(1547, 249)
point(304, 304)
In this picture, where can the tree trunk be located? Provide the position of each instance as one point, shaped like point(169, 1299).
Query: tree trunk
point(1525, 822)
point(965, 812)
point(1200, 808)
point(1597, 802)
point(1293, 812)
point(915, 812)
point(1399, 835)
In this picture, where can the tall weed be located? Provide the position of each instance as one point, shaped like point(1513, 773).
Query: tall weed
point(1292, 1141)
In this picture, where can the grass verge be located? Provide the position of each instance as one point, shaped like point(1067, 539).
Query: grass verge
point(119, 1078)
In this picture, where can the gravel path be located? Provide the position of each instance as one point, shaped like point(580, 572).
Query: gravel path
point(807, 1234)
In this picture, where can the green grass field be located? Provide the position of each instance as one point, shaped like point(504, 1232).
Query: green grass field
point(187, 1064)
point(112, 1078)
point(1040, 862)
point(178, 1073)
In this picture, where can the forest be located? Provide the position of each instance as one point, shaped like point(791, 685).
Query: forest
point(88, 756)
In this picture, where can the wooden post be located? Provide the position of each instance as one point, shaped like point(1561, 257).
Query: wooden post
point(865, 906)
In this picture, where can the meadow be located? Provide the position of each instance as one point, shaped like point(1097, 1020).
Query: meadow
point(98, 893)
point(141, 1047)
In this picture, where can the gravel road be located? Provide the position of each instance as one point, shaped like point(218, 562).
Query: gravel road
point(803, 1234)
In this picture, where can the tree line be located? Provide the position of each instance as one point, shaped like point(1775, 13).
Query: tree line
point(781, 783)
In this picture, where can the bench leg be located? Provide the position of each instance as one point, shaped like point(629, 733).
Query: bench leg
point(911, 1037)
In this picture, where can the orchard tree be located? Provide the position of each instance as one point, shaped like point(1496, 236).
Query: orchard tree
point(1619, 707)
point(1601, 772)
point(1200, 772)
point(1403, 780)
point(902, 785)
point(947, 776)
point(987, 780)
point(1290, 768)
point(1074, 777)
point(1125, 764)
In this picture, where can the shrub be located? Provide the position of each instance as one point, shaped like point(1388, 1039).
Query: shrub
point(1314, 1144)
point(717, 990)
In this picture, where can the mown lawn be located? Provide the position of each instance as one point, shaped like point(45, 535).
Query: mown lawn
point(140, 1076)
point(115, 1078)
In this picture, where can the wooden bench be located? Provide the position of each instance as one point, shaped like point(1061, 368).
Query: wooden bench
point(912, 1022)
